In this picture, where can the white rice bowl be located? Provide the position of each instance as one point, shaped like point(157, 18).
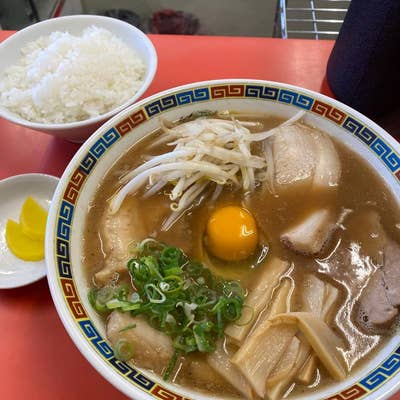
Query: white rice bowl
point(52, 85)
point(64, 78)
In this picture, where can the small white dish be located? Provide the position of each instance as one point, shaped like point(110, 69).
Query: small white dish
point(15, 272)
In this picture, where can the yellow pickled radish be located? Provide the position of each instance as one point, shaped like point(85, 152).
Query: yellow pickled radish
point(21, 245)
point(33, 219)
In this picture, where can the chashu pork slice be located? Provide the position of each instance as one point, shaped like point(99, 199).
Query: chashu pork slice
point(312, 233)
point(137, 219)
point(303, 157)
point(375, 306)
point(328, 168)
point(117, 232)
point(151, 348)
point(391, 271)
point(380, 300)
point(293, 157)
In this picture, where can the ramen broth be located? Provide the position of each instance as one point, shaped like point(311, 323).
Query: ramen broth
point(360, 190)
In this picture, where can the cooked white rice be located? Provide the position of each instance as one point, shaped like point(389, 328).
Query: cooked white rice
point(63, 78)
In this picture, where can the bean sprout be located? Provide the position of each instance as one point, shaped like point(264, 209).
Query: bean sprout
point(204, 150)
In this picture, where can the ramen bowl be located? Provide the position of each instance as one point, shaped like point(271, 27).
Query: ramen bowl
point(379, 376)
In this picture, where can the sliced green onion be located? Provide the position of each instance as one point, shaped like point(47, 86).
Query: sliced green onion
point(171, 365)
point(104, 294)
point(154, 294)
point(194, 269)
point(122, 293)
point(170, 319)
point(127, 328)
point(201, 280)
point(232, 309)
point(139, 270)
point(164, 286)
point(232, 288)
point(175, 283)
point(203, 340)
point(178, 296)
point(134, 248)
point(220, 325)
point(205, 297)
point(250, 318)
point(123, 350)
point(171, 257)
point(115, 303)
point(184, 344)
point(152, 264)
point(131, 307)
point(172, 271)
point(92, 298)
point(97, 298)
point(150, 245)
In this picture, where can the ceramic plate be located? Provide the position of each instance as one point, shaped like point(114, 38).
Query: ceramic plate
point(15, 272)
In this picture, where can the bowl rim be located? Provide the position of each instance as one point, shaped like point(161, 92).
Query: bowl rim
point(387, 389)
point(151, 69)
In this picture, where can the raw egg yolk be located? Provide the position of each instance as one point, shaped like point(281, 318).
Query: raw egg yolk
point(231, 233)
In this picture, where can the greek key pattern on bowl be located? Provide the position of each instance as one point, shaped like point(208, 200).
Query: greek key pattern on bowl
point(191, 96)
point(329, 112)
point(372, 381)
point(63, 259)
point(71, 295)
point(74, 185)
point(262, 92)
point(353, 393)
point(297, 99)
point(65, 220)
point(130, 122)
point(359, 130)
point(222, 91)
point(98, 149)
point(104, 142)
point(160, 105)
point(384, 372)
point(96, 339)
point(164, 394)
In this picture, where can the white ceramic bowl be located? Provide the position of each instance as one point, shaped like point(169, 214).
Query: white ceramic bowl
point(133, 37)
point(377, 379)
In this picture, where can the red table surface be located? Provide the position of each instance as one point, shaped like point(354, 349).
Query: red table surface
point(38, 359)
